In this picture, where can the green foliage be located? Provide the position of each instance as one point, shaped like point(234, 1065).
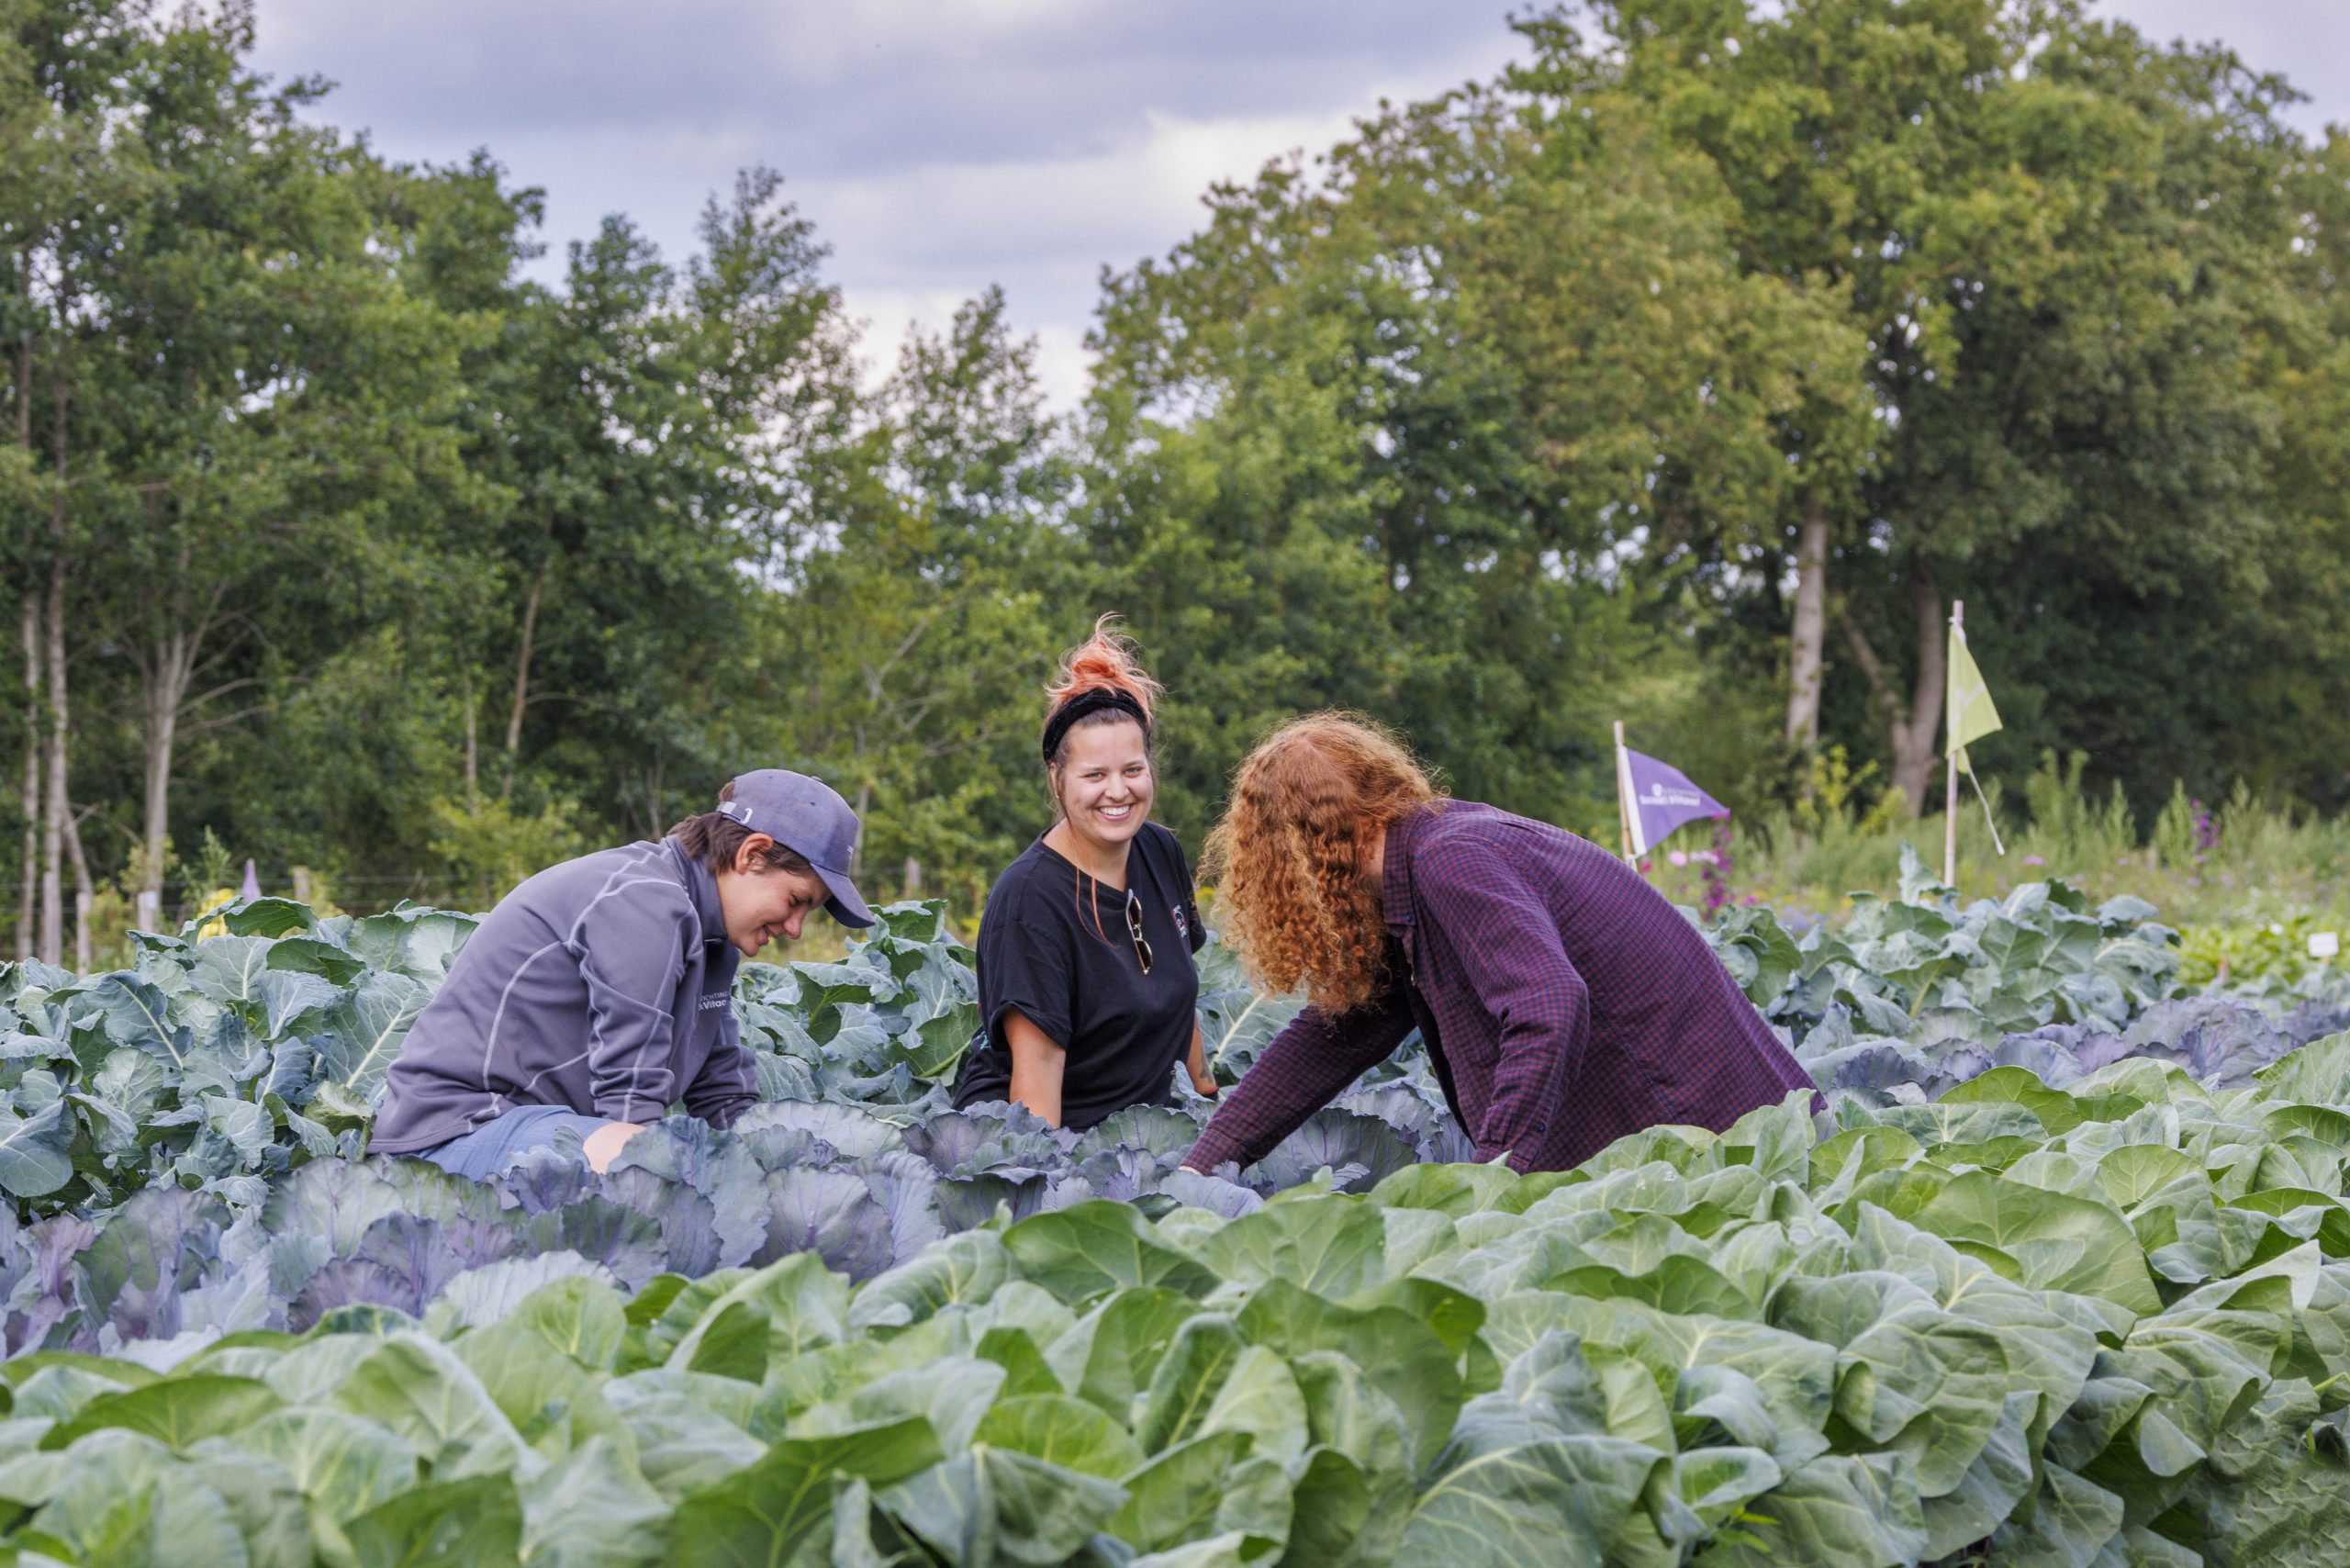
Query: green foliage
point(2020, 1306)
point(908, 651)
point(212, 1061)
point(2063, 814)
point(2067, 258)
point(1831, 792)
point(1499, 424)
point(2115, 1334)
point(2269, 955)
point(1338, 466)
point(2251, 862)
point(489, 846)
point(210, 867)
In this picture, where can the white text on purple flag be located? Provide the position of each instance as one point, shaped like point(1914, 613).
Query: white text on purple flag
point(1661, 799)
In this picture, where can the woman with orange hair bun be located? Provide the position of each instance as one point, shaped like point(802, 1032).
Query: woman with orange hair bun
point(1087, 988)
point(1564, 1003)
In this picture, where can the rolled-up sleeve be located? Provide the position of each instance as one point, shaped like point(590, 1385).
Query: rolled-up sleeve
point(1507, 945)
point(1301, 1069)
point(631, 953)
point(1028, 970)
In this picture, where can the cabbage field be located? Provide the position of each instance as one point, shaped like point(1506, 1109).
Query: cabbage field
point(2063, 1278)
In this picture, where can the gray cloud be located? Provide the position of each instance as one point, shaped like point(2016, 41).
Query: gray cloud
point(859, 87)
point(939, 145)
point(943, 145)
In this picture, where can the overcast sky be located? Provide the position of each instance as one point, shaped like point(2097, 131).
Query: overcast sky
point(943, 145)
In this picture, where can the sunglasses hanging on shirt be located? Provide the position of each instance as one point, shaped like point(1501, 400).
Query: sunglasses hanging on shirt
point(1133, 929)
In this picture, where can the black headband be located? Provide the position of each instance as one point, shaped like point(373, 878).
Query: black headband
point(1093, 700)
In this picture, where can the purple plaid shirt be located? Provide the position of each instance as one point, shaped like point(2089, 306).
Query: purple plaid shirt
point(1564, 1003)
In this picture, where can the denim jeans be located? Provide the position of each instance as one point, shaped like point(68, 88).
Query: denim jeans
point(488, 1150)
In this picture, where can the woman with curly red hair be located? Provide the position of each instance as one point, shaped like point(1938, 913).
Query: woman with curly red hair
point(1087, 988)
point(1564, 1003)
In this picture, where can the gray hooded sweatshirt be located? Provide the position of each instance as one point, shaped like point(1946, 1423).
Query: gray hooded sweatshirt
point(604, 985)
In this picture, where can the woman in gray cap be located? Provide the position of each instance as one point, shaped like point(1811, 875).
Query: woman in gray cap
point(601, 990)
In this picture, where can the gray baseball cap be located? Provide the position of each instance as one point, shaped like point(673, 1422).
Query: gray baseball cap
point(808, 817)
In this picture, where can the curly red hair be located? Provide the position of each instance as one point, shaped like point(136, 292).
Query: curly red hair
point(1293, 896)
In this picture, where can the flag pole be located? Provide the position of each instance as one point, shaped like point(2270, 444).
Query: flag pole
point(1949, 782)
point(1623, 806)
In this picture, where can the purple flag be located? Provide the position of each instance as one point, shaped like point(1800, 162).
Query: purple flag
point(1662, 798)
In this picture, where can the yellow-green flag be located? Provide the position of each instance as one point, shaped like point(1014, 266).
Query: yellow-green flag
point(1971, 715)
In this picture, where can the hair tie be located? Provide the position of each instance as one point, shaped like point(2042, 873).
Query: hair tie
point(1092, 699)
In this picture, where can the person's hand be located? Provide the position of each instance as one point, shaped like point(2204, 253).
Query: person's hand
point(1203, 1082)
point(603, 1145)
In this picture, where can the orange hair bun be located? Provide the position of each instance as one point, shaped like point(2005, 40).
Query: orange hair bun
point(1104, 662)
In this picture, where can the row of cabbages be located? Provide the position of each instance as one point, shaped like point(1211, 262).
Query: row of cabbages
point(2105, 1327)
point(224, 1083)
point(2086, 1314)
point(220, 1064)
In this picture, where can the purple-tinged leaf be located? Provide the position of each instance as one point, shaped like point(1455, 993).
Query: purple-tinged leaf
point(830, 1213)
point(402, 1262)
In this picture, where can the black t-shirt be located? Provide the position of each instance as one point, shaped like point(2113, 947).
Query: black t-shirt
point(1041, 953)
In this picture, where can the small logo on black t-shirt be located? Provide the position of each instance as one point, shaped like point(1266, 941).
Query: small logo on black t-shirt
point(711, 1001)
point(1182, 926)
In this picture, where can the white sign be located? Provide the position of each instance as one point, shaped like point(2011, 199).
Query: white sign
point(2325, 944)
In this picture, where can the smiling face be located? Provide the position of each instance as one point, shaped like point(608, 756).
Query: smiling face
point(1104, 783)
point(762, 903)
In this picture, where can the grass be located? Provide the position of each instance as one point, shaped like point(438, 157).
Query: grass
point(2241, 862)
point(2248, 882)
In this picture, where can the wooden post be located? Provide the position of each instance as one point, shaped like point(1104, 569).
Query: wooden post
point(1623, 804)
point(1949, 782)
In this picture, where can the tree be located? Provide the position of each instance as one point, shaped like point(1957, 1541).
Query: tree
point(26, 196)
point(275, 397)
point(1387, 440)
point(640, 438)
point(908, 644)
point(73, 66)
point(2049, 237)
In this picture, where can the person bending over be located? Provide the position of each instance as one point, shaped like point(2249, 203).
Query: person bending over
point(1564, 1003)
point(1087, 988)
point(602, 990)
